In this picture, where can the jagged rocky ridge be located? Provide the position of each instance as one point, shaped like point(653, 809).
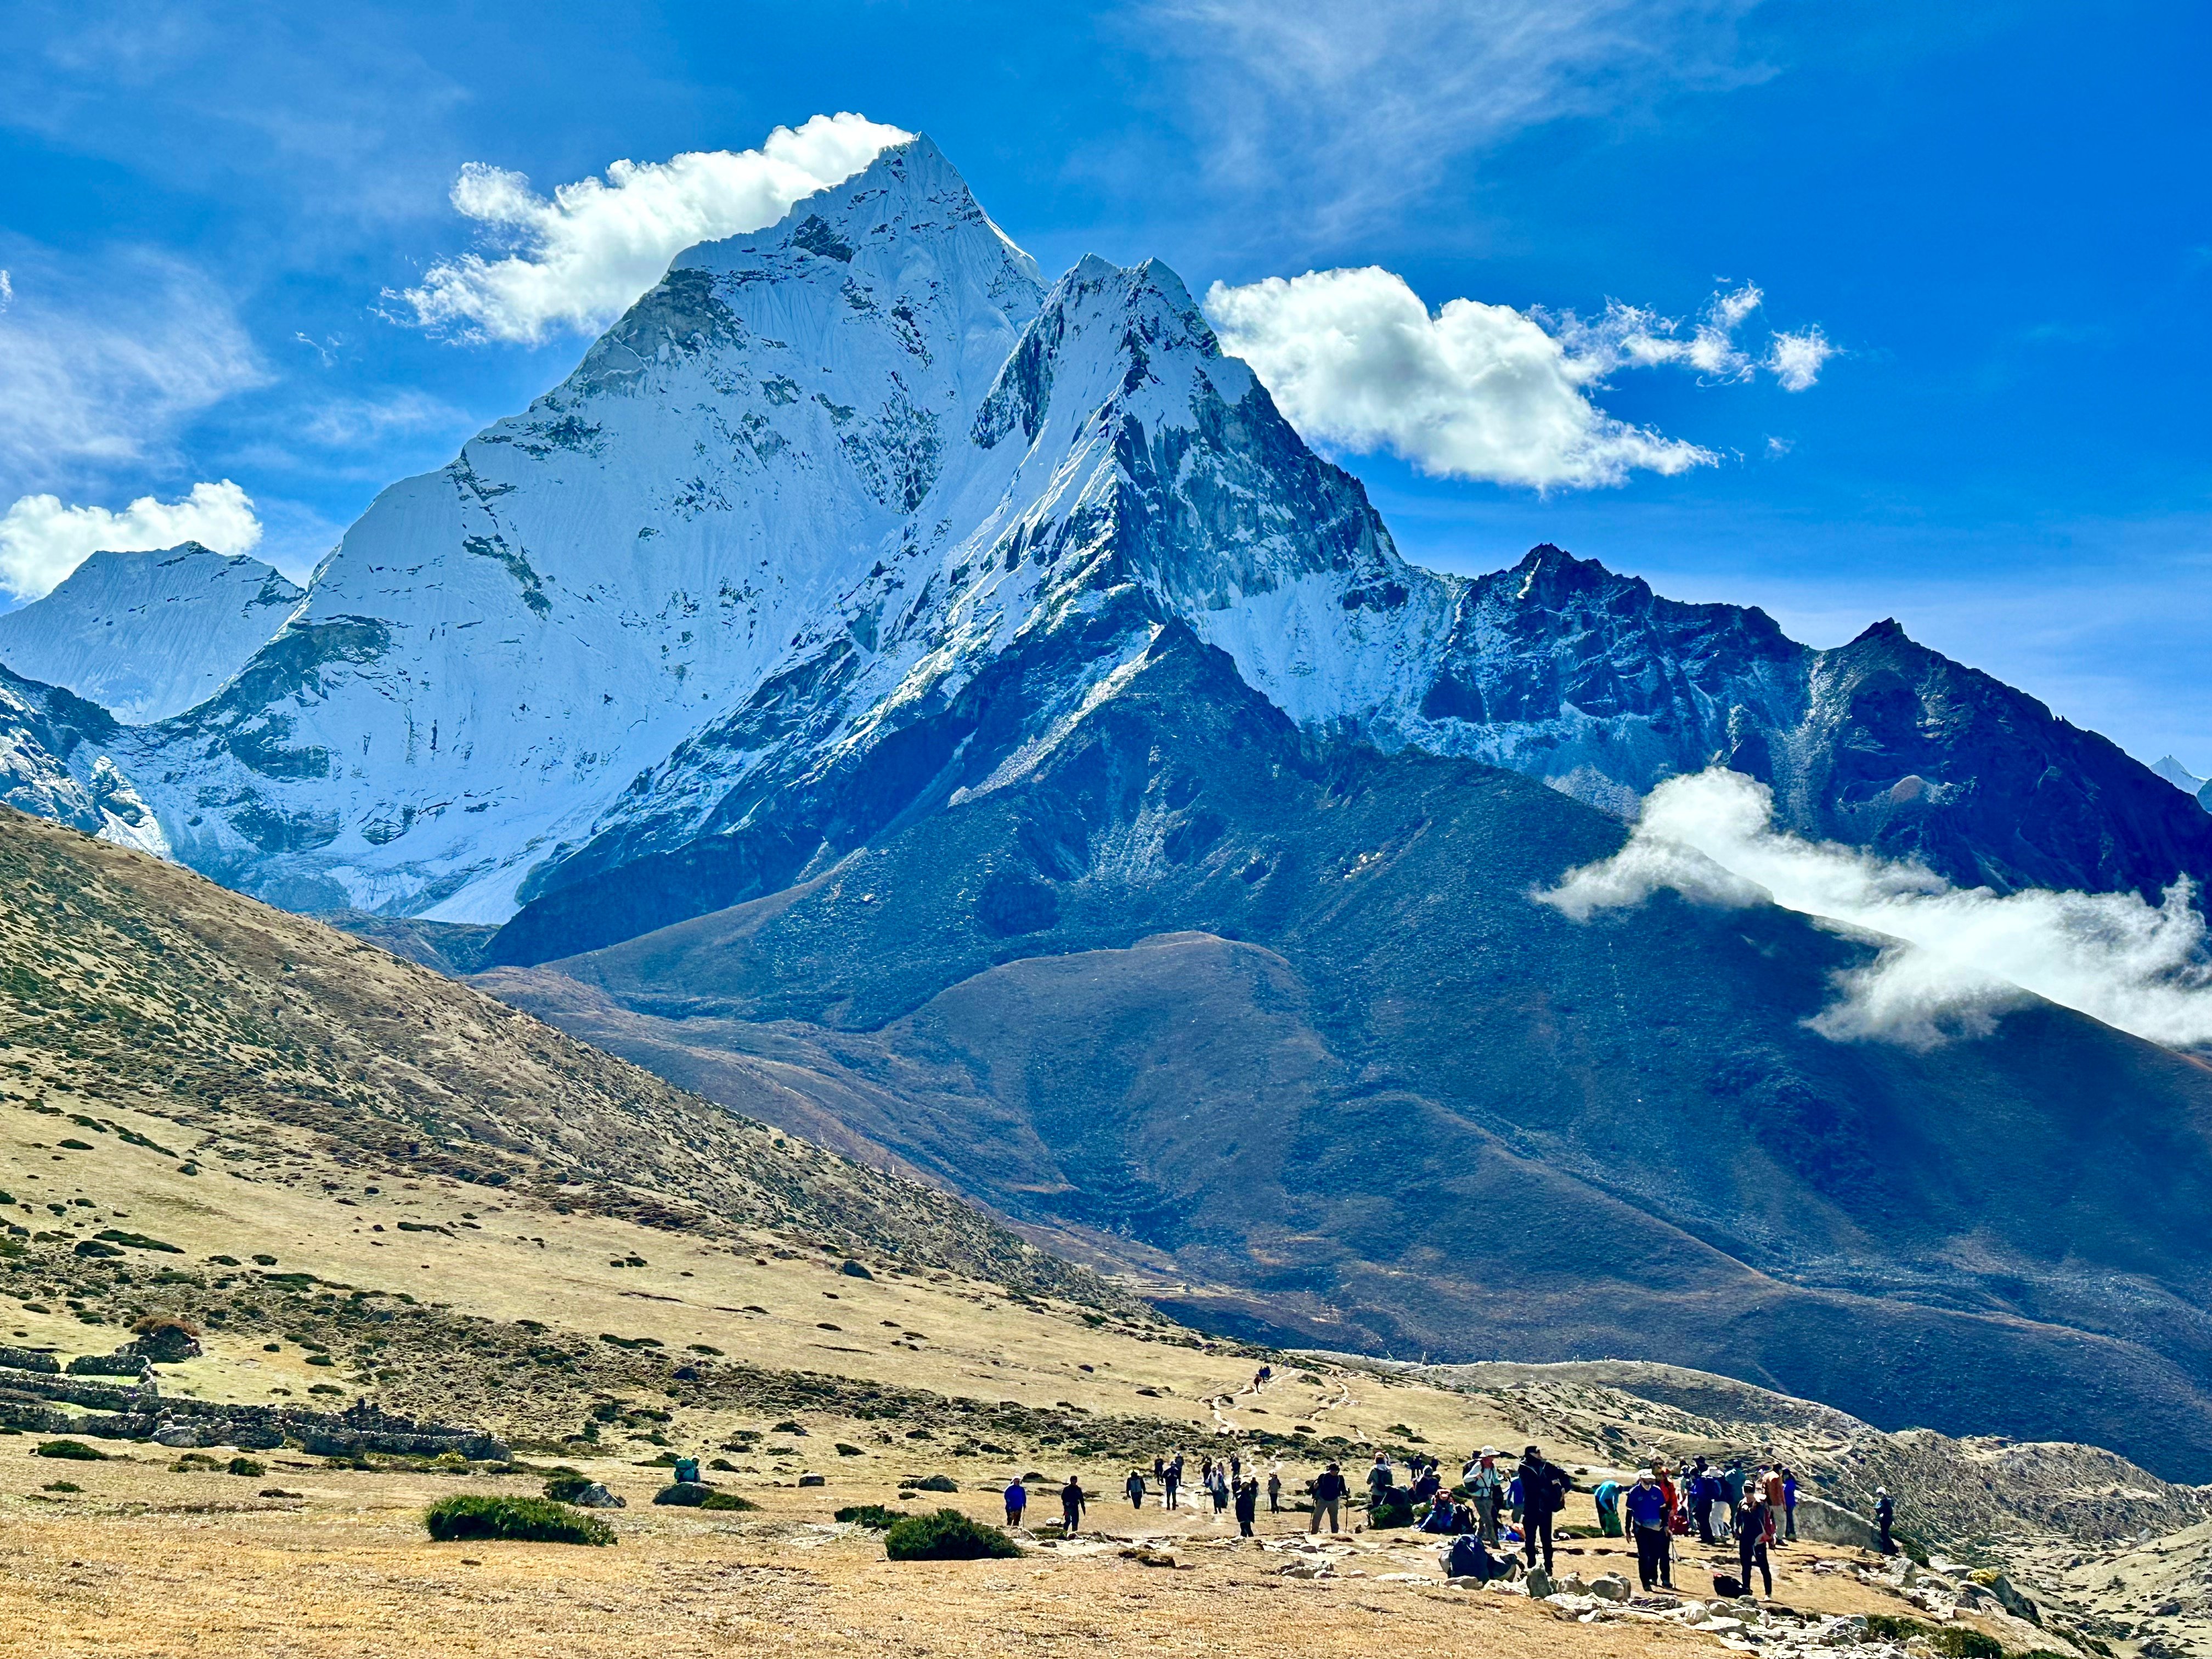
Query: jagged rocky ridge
point(703, 604)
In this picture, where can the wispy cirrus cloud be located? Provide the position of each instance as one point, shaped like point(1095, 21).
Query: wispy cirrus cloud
point(1353, 106)
point(586, 252)
point(91, 381)
point(1356, 362)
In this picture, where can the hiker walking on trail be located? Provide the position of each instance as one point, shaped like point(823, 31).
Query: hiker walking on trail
point(1274, 1492)
point(1646, 1504)
point(1018, 1500)
point(1328, 1491)
point(1885, 1514)
point(1219, 1487)
point(1732, 1478)
point(1543, 1495)
point(1482, 1479)
point(1751, 1541)
point(1072, 1500)
point(1134, 1485)
point(1171, 1479)
point(1248, 1505)
point(1789, 1502)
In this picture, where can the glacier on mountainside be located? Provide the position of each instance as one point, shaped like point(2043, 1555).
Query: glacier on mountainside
point(147, 635)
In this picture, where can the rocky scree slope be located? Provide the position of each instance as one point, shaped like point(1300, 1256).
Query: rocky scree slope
point(122, 976)
point(1243, 1008)
point(147, 635)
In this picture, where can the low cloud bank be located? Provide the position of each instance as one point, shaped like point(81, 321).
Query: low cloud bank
point(1964, 957)
point(1356, 359)
point(582, 257)
point(42, 539)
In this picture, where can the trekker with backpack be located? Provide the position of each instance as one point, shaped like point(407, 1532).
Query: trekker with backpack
point(1543, 1495)
point(1274, 1492)
point(1072, 1500)
point(1171, 1479)
point(1248, 1505)
point(1328, 1491)
point(1134, 1485)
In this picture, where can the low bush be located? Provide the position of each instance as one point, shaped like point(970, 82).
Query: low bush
point(61, 1486)
point(528, 1520)
point(947, 1536)
point(568, 1487)
point(874, 1516)
point(1958, 1642)
point(76, 1451)
point(246, 1466)
point(938, 1483)
point(690, 1495)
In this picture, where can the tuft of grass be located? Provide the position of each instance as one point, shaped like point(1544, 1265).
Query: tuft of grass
point(61, 1486)
point(525, 1519)
point(246, 1466)
point(74, 1451)
point(690, 1495)
point(947, 1536)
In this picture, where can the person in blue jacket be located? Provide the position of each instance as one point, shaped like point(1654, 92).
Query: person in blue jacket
point(1646, 1503)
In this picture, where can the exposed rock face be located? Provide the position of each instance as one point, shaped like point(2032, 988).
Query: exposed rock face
point(147, 635)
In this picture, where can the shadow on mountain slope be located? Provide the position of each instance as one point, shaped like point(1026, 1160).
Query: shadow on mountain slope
point(1278, 1015)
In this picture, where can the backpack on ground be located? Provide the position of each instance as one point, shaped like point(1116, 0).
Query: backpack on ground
point(1726, 1587)
point(1466, 1558)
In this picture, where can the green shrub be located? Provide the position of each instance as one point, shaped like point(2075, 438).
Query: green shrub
point(568, 1487)
point(531, 1519)
point(246, 1466)
point(874, 1516)
point(690, 1495)
point(947, 1536)
point(61, 1486)
point(76, 1451)
point(1958, 1642)
point(1384, 1513)
point(938, 1483)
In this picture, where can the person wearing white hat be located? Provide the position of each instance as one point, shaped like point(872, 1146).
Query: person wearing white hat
point(1482, 1478)
point(1646, 1503)
point(1885, 1513)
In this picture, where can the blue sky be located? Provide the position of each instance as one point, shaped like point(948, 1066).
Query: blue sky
point(1998, 216)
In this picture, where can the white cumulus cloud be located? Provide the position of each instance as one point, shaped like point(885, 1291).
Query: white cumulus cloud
point(581, 257)
point(1796, 360)
point(42, 540)
point(1356, 359)
point(1953, 960)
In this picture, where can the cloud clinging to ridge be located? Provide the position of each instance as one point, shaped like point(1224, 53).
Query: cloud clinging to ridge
point(1355, 360)
point(42, 539)
point(582, 257)
point(1959, 957)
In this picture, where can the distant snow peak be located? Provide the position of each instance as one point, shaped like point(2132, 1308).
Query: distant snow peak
point(596, 244)
point(147, 635)
point(42, 539)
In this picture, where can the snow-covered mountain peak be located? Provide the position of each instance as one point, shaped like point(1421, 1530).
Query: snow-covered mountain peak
point(147, 635)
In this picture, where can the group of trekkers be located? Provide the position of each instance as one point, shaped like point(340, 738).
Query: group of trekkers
point(1494, 1506)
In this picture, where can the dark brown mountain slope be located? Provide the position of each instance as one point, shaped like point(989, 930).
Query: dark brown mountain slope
point(1281, 1015)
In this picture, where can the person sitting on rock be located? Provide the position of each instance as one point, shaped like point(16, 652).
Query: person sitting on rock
point(687, 1471)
